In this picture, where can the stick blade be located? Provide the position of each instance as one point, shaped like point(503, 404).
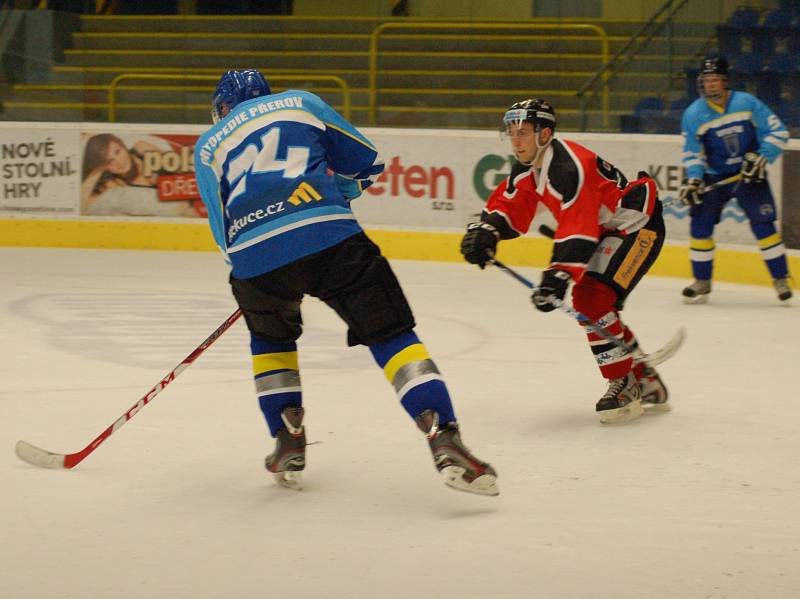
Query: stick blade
point(670, 349)
point(39, 457)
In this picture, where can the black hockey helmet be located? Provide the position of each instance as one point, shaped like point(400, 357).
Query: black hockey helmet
point(536, 111)
point(714, 65)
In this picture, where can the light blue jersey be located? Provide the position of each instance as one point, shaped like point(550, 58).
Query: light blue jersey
point(715, 140)
point(277, 175)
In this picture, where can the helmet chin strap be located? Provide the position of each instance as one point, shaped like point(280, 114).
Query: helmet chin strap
point(540, 148)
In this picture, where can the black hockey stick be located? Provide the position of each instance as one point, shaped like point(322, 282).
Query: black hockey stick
point(653, 359)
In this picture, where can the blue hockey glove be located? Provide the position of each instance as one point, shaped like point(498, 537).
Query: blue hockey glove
point(689, 193)
point(754, 168)
point(552, 289)
point(479, 243)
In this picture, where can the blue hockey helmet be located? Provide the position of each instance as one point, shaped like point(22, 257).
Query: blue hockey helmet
point(234, 87)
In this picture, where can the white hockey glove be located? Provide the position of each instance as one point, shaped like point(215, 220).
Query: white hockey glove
point(754, 168)
point(689, 194)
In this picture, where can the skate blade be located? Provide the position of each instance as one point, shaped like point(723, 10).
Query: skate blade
point(485, 484)
point(291, 479)
point(698, 299)
point(622, 415)
point(656, 408)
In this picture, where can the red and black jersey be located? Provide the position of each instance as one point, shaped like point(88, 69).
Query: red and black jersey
point(588, 197)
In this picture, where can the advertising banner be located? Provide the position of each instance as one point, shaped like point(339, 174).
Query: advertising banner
point(434, 179)
point(133, 173)
point(441, 179)
point(39, 172)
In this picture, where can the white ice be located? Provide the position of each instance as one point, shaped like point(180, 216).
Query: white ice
point(702, 502)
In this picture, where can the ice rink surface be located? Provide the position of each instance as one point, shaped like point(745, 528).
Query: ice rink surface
point(702, 502)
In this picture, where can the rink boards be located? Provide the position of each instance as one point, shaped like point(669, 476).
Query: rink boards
point(435, 182)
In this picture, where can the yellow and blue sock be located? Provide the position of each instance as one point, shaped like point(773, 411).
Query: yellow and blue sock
point(416, 380)
point(772, 249)
point(277, 378)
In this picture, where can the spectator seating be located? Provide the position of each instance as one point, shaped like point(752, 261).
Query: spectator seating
point(763, 51)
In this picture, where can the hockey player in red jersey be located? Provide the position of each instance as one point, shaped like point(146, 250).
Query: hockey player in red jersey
point(609, 234)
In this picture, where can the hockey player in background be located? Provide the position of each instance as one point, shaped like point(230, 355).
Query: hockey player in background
point(728, 133)
point(609, 233)
point(277, 173)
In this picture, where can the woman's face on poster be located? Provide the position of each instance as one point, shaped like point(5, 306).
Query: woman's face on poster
point(117, 159)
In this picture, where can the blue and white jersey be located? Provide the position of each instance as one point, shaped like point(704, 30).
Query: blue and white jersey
point(716, 138)
point(277, 175)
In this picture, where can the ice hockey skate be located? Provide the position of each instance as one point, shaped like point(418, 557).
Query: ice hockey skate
point(289, 458)
point(654, 393)
point(697, 292)
point(458, 467)
point(783, 290)
point(622, 401)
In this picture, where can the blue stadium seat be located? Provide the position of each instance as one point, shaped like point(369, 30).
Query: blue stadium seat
point(680, 104)
point(650, 103)
point(744, 17)
point(778, 19)
point(768, 87)
point(748, 64)
point(780, 63)
point(729, 41)
point(691, 83)
point(788, 112)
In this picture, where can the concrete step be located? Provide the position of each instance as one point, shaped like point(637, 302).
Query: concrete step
point(151, 93)
point(346, 60)
point(388, 117)
point(359, 78)
point(546, 42)
point(345, 24)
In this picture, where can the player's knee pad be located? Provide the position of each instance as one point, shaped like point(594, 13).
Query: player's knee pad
point(267, 316)
point(593, 298)
point(373, 306)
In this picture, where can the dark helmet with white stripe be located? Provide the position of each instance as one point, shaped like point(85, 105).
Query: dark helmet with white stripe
point(714, 65)
point(540, 113)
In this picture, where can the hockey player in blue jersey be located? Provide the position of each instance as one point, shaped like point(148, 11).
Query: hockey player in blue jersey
point(729, 138)
point(277, 173)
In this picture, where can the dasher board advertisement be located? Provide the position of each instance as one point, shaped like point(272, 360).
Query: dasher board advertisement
point(39, 171)
point(137, 173)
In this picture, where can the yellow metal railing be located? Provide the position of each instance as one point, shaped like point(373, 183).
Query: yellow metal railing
point(112, 88)
point(380, 29)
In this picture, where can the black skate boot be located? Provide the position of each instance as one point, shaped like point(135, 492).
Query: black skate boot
point(783, 289)
point(697, 292)
point(289, 458)
point(654, 392)
point(622, 401)
point(460, 469)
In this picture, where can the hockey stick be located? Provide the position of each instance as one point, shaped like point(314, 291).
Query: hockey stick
point(653, 359)
point(732, 179)
point(47, 459)
point(722, 183)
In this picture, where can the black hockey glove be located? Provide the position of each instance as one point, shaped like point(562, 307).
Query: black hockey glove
point(754, 168)
point(689, 193)
point(551, 291)
point(479, 243)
